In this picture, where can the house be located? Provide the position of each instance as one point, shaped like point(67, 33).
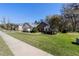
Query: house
point(41, 26)
point(44, 27)
point(11, 26)
point(20, 27)
point(26, 27)
point(49, 30)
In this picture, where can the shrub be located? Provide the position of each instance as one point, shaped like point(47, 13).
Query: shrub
point(64, 31)
point(34, 30)
point(48, 32)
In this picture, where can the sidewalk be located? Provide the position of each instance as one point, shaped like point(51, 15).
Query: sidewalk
point(20, 48)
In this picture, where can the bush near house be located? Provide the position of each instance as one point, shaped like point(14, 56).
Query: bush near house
point(34, 30)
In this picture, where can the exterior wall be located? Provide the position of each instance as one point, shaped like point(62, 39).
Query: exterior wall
point(41, 27)
point(46, 28)
point(27, 27)
point(20, 28)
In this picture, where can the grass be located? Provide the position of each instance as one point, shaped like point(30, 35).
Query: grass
point(4, 50)
point(59, 44)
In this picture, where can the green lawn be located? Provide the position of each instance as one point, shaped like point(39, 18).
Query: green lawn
point(4, 50)
point(59, 44)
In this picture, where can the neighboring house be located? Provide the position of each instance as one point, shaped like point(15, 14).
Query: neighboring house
point(20, 27)
point(45, 28)
point(49, 30)
point(10, 26)
point(41, 26)
point(26, 27)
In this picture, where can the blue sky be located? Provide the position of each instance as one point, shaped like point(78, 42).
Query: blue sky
point(28, 12)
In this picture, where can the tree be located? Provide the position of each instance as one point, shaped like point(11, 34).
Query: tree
point(70, 14)
point(54, 21)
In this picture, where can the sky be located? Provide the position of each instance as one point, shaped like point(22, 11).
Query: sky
point(28, 12)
